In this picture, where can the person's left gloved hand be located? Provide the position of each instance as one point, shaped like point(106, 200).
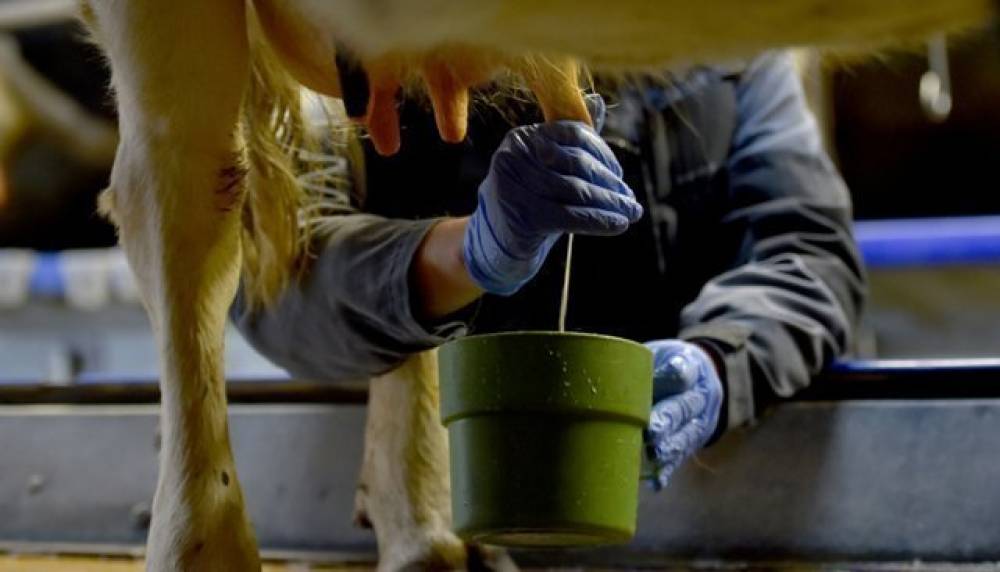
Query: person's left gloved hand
point(687, 398)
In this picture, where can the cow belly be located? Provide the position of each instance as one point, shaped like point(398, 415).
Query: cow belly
point(631, 33)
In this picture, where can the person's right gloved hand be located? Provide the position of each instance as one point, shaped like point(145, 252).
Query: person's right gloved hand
point(544, 180)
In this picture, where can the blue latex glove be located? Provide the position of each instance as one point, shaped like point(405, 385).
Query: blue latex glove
point(687, 398)
point(544, 180)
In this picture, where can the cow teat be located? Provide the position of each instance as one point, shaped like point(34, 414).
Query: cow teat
point(448, 74)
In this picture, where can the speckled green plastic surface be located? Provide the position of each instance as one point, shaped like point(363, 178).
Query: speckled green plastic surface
point(545, 431)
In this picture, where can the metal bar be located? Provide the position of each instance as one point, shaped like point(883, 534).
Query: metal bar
point(890, 243)
point(900, 243)
point(909, 379)
point(16, 15)
point(874, 379)
point(98, 550)
point(860, 370)
point(146, 391)
point(935, 84)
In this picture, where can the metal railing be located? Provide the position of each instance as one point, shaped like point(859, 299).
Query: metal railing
point(20, 14)
point(93, 277)
point(929, 242)
point(850, 379)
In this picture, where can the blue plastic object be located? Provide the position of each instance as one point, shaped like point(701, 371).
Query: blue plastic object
point(929, 242)
point(47, 280)
point(687, 398)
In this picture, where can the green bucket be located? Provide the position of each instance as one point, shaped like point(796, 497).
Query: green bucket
point(545, 431)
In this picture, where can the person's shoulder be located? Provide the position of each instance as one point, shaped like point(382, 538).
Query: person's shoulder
point(690, 80)
point(731, 70)
point(766, 66)
point(671, 86)
point(666, 88)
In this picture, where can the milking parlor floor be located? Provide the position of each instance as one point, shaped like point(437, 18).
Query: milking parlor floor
point(34, 563)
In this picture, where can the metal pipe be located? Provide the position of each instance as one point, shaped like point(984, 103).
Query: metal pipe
point(852, 379)
point(935, 84)
point(19, 14)
point(147, 391)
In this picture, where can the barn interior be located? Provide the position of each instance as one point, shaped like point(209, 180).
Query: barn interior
point(887, 461)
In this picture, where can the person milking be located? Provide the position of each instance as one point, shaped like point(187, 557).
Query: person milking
point(710, 225)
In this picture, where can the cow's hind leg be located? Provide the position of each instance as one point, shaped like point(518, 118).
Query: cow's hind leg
point(404, 486)
point(180, 68)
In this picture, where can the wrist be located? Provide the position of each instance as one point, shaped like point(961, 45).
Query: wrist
point(496, 265)
point(439, 281)
point(715, 356)
point(719, 363)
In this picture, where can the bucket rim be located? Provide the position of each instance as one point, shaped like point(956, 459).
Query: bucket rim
point(547, 334)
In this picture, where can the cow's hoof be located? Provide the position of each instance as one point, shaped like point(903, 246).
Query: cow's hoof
point(482, 558)
point(448, 552)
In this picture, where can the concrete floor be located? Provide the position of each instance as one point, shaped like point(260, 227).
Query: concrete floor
point(42, 563)
point(39, 563)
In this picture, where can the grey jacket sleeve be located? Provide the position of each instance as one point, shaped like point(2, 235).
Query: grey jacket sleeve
point(791, 301)
point(350, 315)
